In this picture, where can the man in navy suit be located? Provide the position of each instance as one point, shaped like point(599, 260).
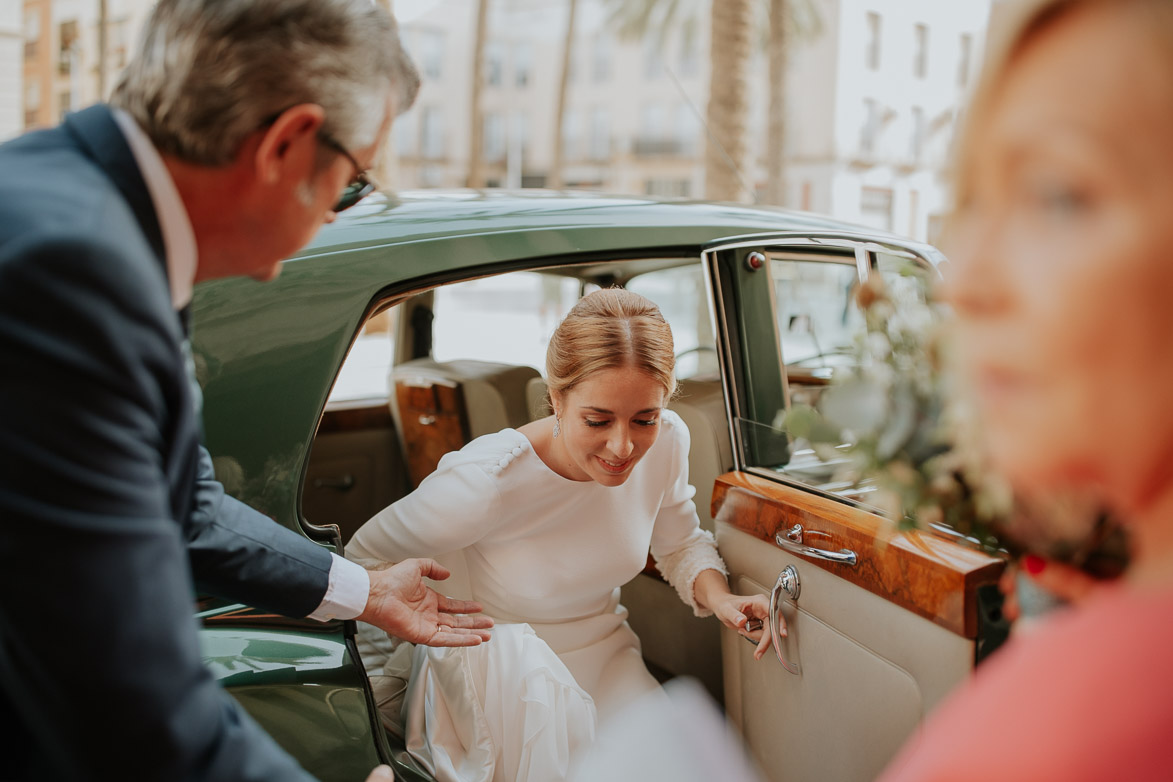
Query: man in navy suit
point(239, 127)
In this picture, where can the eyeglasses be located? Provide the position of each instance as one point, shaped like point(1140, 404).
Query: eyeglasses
point(360, 187)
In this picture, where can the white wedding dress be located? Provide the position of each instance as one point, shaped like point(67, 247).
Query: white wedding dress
point(545, 556)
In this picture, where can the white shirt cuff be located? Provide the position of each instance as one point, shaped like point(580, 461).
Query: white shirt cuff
point(346, 596)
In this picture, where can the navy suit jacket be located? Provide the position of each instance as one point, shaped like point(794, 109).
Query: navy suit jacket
point(110, 515)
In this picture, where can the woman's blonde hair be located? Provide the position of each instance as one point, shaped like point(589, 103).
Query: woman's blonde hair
point(610, 329)
point(1021, 24)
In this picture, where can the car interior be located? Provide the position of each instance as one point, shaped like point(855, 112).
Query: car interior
point(377, 445)
point(434, 368)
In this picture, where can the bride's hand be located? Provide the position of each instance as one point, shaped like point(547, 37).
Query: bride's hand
point(749, 616)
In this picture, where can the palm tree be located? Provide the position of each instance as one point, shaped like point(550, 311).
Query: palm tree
point(776, 50)
point(555, 178)
point(103, 19)
point(731, 48)
point(731, 38)
point(476, 168)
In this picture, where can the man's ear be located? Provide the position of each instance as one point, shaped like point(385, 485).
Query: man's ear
point(290, 141)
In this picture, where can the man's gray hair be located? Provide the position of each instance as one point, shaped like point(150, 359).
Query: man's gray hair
point(208, 73)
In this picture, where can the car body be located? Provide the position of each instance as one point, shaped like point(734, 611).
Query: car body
point(872, 646)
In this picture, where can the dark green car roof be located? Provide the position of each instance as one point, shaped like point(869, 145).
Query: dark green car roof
point(511, 225)
point(267, 353)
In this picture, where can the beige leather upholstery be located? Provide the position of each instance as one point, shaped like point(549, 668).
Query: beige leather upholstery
point(701, 405)
point(494, 394)
point(535, 398)
point(869, 671)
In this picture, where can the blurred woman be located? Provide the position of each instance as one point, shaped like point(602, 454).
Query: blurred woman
point(551, 519)
point(1062, 280)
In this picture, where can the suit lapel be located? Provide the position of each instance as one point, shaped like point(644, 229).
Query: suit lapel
point(99, 135)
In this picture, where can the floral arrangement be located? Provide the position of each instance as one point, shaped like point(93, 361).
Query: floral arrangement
point(892, 413)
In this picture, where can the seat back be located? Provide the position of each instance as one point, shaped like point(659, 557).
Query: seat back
point(439, 406)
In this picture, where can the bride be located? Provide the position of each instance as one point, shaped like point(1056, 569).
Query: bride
point(551, 519)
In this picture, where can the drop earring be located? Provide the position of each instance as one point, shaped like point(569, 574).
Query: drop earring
point(557, 427)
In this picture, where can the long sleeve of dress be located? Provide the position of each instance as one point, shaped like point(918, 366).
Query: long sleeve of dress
point(682, 549)
point(452, 508)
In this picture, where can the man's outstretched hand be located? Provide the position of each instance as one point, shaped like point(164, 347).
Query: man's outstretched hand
point(401, 604)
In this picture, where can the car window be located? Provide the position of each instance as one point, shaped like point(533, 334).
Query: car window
point(814, 309)
point(818, 325)
point(508, 318)
point(365, 371)
point(680, 294)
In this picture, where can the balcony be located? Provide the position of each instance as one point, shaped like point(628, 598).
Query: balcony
point(661, 147)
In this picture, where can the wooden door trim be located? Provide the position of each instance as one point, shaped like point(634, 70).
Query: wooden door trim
point(926, 574)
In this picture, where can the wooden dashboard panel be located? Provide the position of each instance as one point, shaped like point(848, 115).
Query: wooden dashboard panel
point(931, 576)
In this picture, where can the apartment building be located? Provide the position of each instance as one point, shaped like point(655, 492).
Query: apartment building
point(874, 94)
point(11, 69)
point(61, 62)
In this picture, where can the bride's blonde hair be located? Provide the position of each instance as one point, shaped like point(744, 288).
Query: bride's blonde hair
point(610, 329)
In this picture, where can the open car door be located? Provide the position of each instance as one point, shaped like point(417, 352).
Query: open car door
point(881, 625)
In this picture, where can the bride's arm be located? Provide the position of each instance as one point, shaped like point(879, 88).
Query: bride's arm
point(736, 611)
point(453, 507)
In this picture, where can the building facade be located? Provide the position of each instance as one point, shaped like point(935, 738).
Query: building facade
point(874, 93)
point(62, 41)
point(11, 69)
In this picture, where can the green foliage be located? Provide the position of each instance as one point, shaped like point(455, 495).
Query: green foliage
point(892, 415)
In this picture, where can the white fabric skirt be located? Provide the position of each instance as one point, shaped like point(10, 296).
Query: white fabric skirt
point(502, 711)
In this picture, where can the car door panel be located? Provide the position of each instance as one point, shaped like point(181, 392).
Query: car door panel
point(869, 671)
point(873, 645)
point(356, 466)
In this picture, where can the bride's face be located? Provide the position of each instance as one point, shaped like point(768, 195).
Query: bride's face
point(608, 422)
point(1062, 261)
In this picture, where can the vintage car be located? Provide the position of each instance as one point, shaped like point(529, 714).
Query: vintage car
point(419, 321)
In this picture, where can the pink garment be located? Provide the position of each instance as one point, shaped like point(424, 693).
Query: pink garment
point(1086, 695)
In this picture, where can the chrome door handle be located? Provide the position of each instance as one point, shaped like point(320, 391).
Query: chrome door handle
point(792, 541)
point(787, 582)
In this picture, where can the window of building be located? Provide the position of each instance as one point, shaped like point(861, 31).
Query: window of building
point(570, 134)
point(523, 63)
point(432, 130)
point(685, 125)
point(665, 187)
point(690, 56)
point(32, 25)
point(494, 64)
point(601, 55)
point(651, 121)
point(870, 128)
point(600, 133)
point(405, 131)
point(429, 52)
point(494, 137)
point(32, 32)
point(873, 45)
point(64, 104)
point(920, 65)
point(966, 46)
point(916, 146)
point(32, 95)
point(653, 64)
point(68, 44)
point(875, 207)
